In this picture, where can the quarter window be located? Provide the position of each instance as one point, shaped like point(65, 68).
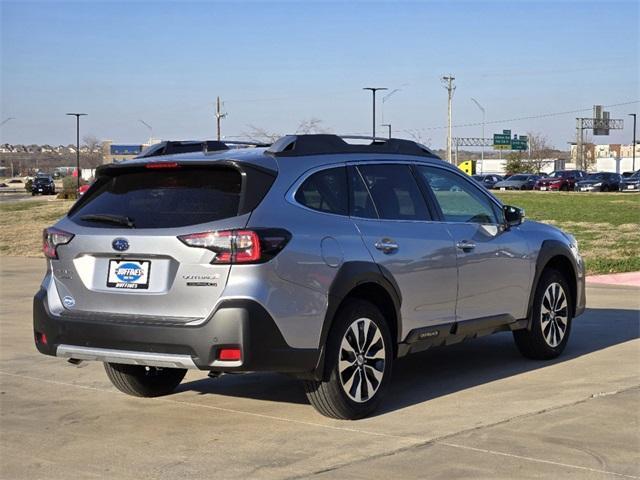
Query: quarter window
point(325, 191)
point(459, 200)
point(395, 192)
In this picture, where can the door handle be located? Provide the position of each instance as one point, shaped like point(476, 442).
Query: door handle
point(466, 245)
point(386, 245)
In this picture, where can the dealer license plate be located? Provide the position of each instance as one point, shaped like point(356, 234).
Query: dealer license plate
point(543, 188)
point(129, 274)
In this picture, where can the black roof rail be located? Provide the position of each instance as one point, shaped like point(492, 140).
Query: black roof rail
point(323, 144)
point(172, 147)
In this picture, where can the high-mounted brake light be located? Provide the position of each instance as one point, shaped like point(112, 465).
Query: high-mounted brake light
point(52, 238)
point(240, 246)
point(162, 165)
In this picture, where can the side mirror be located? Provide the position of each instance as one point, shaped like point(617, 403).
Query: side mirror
point(513, 216)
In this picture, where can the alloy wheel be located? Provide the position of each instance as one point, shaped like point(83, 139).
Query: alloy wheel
point(554, 315)
point(361, 360)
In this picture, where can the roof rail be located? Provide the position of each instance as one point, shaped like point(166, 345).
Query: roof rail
point(172, 147)
point(323, 144)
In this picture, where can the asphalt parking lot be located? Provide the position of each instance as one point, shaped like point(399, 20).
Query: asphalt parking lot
point(475, 410)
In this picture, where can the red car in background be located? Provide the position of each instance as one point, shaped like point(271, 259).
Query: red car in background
point(564, 180)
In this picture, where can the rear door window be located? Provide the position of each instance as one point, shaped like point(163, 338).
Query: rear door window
point(164, 198)
point(395, 192)
point(325, 191)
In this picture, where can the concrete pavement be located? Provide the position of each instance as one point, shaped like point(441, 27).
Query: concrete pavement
point(474, 410)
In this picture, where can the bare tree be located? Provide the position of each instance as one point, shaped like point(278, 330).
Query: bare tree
point(540, 150)
point(417, 136)
point(259, 134)
point(93, 155)
point(92, 143)
point(312, 125)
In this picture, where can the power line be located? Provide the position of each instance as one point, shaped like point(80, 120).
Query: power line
point(531, 117)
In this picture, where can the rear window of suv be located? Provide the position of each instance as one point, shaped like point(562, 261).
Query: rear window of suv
point(166, 198)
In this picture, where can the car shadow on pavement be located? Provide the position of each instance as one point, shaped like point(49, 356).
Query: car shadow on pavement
point(443, 370)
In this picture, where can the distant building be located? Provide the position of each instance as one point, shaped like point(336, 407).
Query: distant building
point(114, 153)
point(612, 157)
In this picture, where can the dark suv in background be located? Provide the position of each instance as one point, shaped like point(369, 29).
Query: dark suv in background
point(488, 181)
point(563, 180)
point(43, 185)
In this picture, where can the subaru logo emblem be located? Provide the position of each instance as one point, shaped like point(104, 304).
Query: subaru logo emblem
point(120, 244)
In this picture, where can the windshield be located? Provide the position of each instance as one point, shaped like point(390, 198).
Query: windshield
point(635, 175)
point(557, 174)
point(42, 180)
point(519, 178)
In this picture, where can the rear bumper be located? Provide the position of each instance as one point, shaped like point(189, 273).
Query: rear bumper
point(236, 323)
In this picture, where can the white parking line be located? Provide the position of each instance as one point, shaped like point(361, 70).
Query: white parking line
point(537, 460)
point(228, 410)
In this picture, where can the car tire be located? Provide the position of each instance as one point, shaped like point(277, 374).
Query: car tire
point(604, 188)
point(550, 319)
point(564, 188)
point(141, 381)
point(359, 356)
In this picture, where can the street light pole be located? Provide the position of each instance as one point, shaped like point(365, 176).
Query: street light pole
point(483, 118)
point(387, 125)
point(77, 115)
point(633, 147)
point(373, 91)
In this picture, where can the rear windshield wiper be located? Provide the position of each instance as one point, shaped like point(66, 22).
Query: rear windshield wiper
point(108, 218)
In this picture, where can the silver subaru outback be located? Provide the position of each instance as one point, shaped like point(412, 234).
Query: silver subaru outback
point(314, 257)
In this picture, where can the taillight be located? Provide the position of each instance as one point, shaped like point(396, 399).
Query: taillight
point(240, 246)
point(52, 238)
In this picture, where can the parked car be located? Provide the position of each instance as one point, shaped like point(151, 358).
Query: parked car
point(518, 182)
point(487, 181)
point(15, 180)
point(627, 174)
point(564, 180)
point(315, 257)
point(631, 184)
point(43, 185)
point(599, 182)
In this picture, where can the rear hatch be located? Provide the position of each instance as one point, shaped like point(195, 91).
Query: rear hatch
point(134, 252)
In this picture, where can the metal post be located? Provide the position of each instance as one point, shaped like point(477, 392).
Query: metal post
point(483, 120)
point(77, 115)
point(448, 84)
point(388, 125)
point(219, 116)
point(633, 147)
point(373, 91)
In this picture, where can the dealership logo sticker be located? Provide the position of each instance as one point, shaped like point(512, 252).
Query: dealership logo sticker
point(129, 272)
point(120, 244)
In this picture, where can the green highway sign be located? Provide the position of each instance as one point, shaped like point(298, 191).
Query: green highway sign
point(503, 141)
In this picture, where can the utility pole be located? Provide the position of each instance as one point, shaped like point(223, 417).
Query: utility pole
point(483, 119)
point(448, 84)
point(373, 91)
point(219, 116)
point(633, 147)
point(77, 115)
point(387, 125)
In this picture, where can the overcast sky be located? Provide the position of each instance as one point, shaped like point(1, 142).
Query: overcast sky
point(276, 64)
